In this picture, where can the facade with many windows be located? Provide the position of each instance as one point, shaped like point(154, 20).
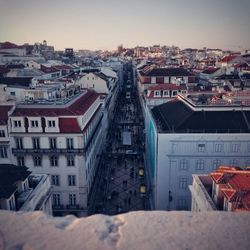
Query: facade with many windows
point(184, 139)
point(5, 148)
point(63, 141)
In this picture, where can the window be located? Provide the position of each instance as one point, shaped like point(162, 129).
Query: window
point(51, 123)
point(183, 182)
point(72, 199)
point(201, 147)
point(234, 162)
point(70, 160)
point(56, 200)
point(2, 133)
point(200, 164)
point(216, 163)
point(70, 143)
point(20, 161)
point(55, 180)
point(34, 124)
point(218, 147)
point(174, 93)
point(36, 143)
point(248, 163)
point(52, 143)
point(157, 93)
point(37, 161)
point(3, 152)
point(19, 143)
point(183, 164)
point(182, 203)
point(153, 79)
point(166, 93)
point(17, 124)
point(235, 148)
point(53, 161)
point(71, 180)
point(174, 147)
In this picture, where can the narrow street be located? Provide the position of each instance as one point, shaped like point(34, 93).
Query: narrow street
point(120, 184)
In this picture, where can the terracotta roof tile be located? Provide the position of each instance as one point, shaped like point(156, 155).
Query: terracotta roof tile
point(79, 107)
point(4, 114)
point(69, 125)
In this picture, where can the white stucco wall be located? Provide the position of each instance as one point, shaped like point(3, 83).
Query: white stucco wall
point(174, 148)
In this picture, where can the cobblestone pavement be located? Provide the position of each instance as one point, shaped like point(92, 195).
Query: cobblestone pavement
point(121, 178)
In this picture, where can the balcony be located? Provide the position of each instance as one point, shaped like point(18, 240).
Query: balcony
point(47, 151)
point(34, 198)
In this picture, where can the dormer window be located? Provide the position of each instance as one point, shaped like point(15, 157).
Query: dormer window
point(34, 124)
point(166, 93)
point(51, 123)
point(174, 92)
point(17, 124)
point(157, 93)
point(2, 133)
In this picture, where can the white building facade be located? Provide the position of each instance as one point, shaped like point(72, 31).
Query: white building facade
point(181, 142)
point(63, 141)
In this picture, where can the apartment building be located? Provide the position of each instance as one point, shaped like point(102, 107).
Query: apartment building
point(185, 138)
point(62, 140)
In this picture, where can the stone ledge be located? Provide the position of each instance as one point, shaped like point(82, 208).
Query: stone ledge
point(135, 230)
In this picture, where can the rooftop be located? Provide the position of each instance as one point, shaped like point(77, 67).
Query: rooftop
point(75, 106)
point(235, 185)
point(4, 109)
point(151, 71)
point(180, 116)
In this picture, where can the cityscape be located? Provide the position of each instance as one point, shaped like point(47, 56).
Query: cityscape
point(126, 115)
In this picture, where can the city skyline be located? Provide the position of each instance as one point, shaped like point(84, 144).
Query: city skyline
point(106, 24)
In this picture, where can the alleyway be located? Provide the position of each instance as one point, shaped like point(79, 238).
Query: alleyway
point(120, 184)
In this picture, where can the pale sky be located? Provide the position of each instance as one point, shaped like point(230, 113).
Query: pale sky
point(104, 24)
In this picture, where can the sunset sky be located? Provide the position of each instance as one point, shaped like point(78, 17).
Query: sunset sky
point(104, 24)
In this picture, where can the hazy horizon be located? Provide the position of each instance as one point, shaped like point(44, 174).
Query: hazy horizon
point(103, 25)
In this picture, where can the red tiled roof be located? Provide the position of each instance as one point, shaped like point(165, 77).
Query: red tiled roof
point(234, 183)
point(216, 176)
point(229, 193)
point(8, 45)
point(228, 58)
point(210, 70)
point(240, 180)
point(69, 125)
point(79, 107)
point(4, 114)
point(45, 69)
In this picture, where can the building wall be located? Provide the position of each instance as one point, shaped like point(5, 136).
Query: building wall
point(201, 200)
point(178, 157)
point(91, 81)
point(86, 148)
